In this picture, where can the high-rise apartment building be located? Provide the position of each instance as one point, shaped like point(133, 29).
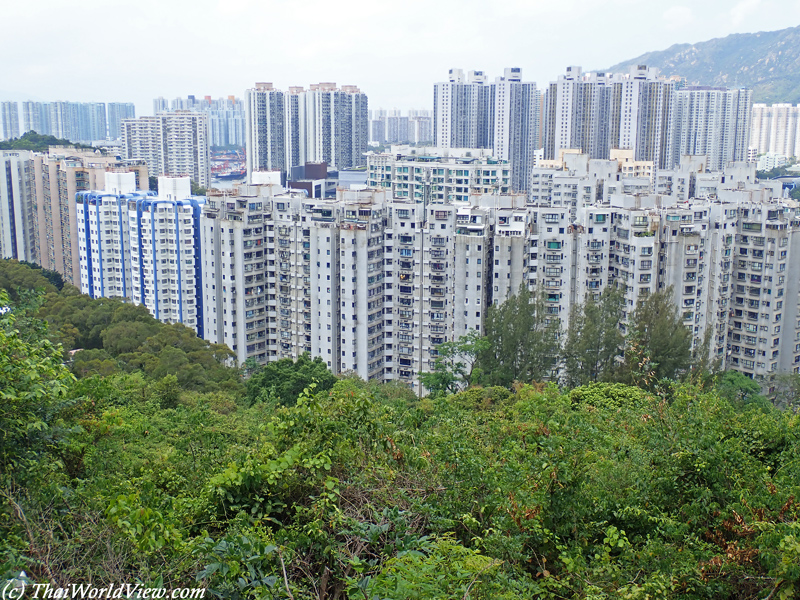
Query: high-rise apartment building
point(646, 113)
point(226, 116)
point(774, 129)
point(597, 112)
point(174, 144)
point(9, 120)
point(327, 124)
point(469, 112)
point(287, 274)
point(324, 123)
point(441, 175)
point(116, 112)
point(266, 143)
point(59, 176)
point(143, 246)
point(395, 128)
point(18, 225)
point(712, 122)
point(461, 111)
point(104, 236)
point(75, 121)
point(165, 251)
point(78, 121)
point(36, 117)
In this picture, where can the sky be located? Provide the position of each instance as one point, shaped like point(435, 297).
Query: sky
point(123, 51)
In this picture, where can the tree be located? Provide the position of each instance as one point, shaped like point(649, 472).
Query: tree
point(739, 390)
point(152, 181)
point(16, 276)
point(285, 379)
point(455, 364)
point(522, 340)
point(657, 330)
point(197, 189)
point(33, 383)
point(785, 390)
point(593, 339)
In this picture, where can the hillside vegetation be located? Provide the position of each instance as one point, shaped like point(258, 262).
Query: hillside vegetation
point(356, 490)
point(768, 62)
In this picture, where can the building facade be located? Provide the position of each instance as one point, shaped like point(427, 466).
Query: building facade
point(9, 120)
point(470, 112)
point(175, 144)
point(19, 230)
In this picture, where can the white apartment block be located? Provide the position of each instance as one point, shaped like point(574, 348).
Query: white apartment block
point(438, 174)
point(646, 113)
point(504, 116)
point(58, 176)
point(286, 274)
point(175, 144)
point(9, 120)
point(266, 129)
point(104, 236)
point(19, 237)
point(324, 123)
point(165, 253)
point(143, 247)
point(374, 280)
point(711, 122)
point(774, 129)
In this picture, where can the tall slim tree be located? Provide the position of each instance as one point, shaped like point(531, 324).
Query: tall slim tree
point(656, 328)
point(523, 340)
point(593, 339)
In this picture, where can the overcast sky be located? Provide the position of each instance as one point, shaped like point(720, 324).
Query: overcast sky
point(117, 50)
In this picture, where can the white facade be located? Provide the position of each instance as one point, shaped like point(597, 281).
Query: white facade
point(774, 129)
point(266, 129)
point(469, 112)
point(174, 144)
point(19, 237)
point(438, 174)
point(9, 120)
point(646, 113)
point(104, 237)
point(165, 253)
point(711, 122)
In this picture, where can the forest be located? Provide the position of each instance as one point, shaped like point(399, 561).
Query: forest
point(144, 457)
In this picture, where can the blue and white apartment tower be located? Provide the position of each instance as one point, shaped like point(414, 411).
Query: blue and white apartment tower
point(103, 236)
point(165, 247)
point(143, 247)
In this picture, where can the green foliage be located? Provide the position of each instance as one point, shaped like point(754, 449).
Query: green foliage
point(114, 336)
point(455, 364)
point(362, 491)
point(16, 276)
point(594, 340)
point(197, 189)
point(777, 172)
point(37, 143)
point(443, 569)
point(522, 340)
point(739, 390)
point(33, 385)
point(658, 344)
point(284, 380)
point(610, 396)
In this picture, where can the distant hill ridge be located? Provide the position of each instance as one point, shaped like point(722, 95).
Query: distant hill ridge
point(768, 62)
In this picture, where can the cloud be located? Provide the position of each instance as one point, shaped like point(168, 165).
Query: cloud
point(741, 11)
point(678, 17)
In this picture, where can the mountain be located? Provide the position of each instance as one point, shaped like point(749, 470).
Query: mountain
point(768, 62)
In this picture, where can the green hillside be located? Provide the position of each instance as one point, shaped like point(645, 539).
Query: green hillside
point(767, 61)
